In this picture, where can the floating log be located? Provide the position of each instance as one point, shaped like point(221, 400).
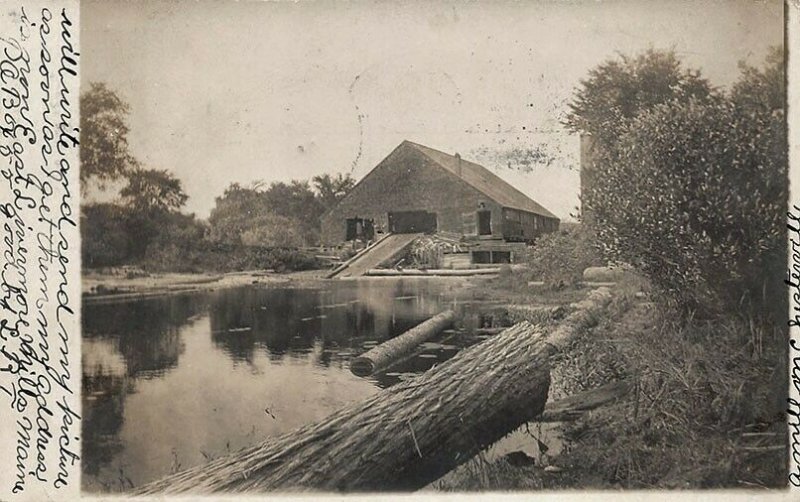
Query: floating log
point(390, 351)
point(403, 437)
point(408, 435)
point(389, 272)
point(139, 295)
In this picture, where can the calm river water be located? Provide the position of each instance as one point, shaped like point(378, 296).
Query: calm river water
point(173, 381)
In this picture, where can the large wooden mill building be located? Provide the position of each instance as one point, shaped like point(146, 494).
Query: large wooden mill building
point(419, 189)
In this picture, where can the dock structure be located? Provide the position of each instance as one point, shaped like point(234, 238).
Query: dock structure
point(381, 251)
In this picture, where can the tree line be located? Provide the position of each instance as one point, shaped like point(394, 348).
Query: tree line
point(256, 226)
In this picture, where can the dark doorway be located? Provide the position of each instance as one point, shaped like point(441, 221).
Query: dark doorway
point(409, 222)
point(484, 223)
point(360, 228)
point(483, 257)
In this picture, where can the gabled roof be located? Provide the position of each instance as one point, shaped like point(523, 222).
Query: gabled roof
point(484, 181)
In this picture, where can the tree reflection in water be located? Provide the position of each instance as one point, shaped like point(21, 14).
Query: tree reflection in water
point(203, 367)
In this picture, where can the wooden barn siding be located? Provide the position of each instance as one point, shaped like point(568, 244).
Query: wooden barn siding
point(407, 180)
point(530, 224)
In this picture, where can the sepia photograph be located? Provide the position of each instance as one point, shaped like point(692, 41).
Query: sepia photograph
point(434, 247)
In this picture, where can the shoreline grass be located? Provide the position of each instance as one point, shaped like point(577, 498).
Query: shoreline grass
point(706, 409)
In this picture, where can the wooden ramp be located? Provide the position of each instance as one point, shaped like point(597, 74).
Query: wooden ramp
point(372, 257)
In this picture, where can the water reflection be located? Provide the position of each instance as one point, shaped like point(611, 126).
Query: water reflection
point(172, 382)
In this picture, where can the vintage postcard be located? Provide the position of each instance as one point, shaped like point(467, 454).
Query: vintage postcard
point(432, 249)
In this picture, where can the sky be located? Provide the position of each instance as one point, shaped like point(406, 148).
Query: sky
point(224, 92)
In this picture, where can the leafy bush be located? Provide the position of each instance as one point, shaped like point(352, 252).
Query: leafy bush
point(559, 258)
point(691, 190)
point(227, 257)
point(274, 230)
point(104, 236)
point(175, 246)
point(281, 214)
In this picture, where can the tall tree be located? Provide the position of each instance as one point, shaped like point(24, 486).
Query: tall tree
point(153, 190)
point(618, 90)
point(332, 189)
point(104, 136)
point(236, 211)
point(690, 187)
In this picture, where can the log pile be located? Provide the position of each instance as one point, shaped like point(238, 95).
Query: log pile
point(408, 435)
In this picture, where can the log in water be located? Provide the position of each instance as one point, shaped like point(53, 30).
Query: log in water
point(408, 435)
point(391, 272)
point(390, 351)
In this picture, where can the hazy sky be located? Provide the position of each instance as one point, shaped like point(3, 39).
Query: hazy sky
point(243, 91)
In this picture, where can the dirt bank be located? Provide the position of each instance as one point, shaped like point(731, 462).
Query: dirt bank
point(97, 284)
point(698, 415)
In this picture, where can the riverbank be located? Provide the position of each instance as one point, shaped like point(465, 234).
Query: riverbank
point(704, 410)
point(701, 413)
point(129, 283)
point(120, 284)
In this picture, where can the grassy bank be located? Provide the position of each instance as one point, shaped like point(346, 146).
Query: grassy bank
point(705, 411)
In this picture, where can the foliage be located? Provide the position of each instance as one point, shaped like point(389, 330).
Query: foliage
point(296, 201)
point(236, 211)
point(176, 245)
point(618, 90)
point(226, 257)
point(274, 230)
point(559, 258)
point(692, 190)
point(762, 90)
point(104, 237)
point(250, 227)
point(153, 190)
point(332, 189)
point(114, 235)
point(104, 135)
point(283, 214)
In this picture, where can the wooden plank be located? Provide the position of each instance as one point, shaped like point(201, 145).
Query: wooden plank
point(574, 406)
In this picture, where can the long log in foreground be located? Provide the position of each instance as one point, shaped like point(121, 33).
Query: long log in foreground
point(406, 436)
point(390, 351)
